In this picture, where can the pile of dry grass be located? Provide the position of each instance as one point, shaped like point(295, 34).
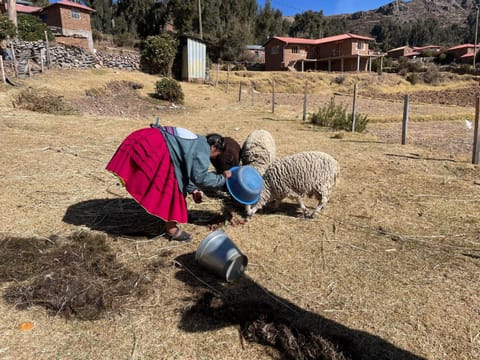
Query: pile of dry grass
point(114, 88)
point(44, 101)
point(77, 276)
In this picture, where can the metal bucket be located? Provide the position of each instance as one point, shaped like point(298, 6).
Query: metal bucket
point(219, 254)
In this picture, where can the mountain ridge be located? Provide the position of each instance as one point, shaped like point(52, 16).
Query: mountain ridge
point(446, 11)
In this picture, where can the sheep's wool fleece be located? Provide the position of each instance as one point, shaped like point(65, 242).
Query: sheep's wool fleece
point(259, 150)
point(301, 174)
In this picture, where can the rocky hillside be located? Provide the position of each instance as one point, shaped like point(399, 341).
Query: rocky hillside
point(447, 11)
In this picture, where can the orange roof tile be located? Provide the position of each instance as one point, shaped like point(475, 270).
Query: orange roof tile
point(293, 40)
point(24, 8)
point(461, 47)
point(72, 4)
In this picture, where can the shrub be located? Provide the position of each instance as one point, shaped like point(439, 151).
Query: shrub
point(43, 101)
point(339, 80)
point(432, 75)
point(338, 118)
point(125, 40)
point(412, 78)
point(7, 28)
point(158, 54)
point(31, 28)
point(170, 90)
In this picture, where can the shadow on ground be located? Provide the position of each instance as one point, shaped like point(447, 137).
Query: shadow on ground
point(267, 319)
point(125, 217)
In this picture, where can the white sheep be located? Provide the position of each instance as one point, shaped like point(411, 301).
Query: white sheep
point(258, 150)
point(305, 174)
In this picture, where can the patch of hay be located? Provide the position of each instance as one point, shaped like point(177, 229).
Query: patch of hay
point(43, 101)
point(75, 277)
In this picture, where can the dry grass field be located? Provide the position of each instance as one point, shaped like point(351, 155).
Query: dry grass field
point(389, 270)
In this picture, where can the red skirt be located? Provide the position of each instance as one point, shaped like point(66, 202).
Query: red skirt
point(143, 162)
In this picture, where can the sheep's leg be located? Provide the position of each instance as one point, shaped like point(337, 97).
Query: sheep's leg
point(322, 201)
point(276, 203)
point(302, 206)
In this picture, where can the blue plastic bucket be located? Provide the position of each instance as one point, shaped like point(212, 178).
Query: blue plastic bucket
point(220, 255)
point(245, 184)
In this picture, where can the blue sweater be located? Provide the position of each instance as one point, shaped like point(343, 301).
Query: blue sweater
point(190, 155)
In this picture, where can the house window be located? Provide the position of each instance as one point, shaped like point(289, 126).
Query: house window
point(75, 14)
point(275, 50)
point(295, 50)
point(360, 45)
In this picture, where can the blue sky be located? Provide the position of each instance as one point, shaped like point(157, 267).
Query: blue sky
point(329, 7)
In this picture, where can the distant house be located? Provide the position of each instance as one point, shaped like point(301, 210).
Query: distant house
point(434, 49)
point(69, 22)
point(463, 53)
point(22, 8)
point(256, 53)
point(399, 52)
point(345, 52)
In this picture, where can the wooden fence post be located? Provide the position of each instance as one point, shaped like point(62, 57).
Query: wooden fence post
point(252, 94)
point(240, 92)
point(405, 120)
point(304, 118)
point(14, 60)
point(41, 63)
point(228, 77)
point(354, 107)
point(476, 133)
point(3, 70)
point(47, 47)
point(273, 96)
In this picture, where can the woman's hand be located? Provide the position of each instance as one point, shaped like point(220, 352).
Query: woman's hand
point(197, 196)
point(227, 174)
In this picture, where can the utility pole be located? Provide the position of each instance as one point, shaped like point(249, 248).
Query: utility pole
point(475, 46)
point(12, 11)
point(200, 19)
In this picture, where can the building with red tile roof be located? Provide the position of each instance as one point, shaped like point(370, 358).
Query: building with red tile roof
point(344, 52)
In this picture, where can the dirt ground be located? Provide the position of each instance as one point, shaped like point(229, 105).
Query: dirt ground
point(389, 270)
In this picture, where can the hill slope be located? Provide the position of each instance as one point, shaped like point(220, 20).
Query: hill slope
point(447, 11)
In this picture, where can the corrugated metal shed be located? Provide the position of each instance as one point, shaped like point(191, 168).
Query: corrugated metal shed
point(194, 63)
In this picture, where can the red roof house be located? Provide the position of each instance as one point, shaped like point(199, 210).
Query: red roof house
point(345, 52)
point(463, 53)
point(69, 22)
point(25, 9)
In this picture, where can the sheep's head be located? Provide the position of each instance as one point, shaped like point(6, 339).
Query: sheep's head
point(262, 201)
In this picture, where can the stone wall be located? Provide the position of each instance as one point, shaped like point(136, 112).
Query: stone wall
point(64, 56)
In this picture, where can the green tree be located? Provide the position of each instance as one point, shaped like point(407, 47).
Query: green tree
point(131, 15)
point(334, 27)
point(309, 24)
point(227, 25)
point(7, 28)
point(31, 28)
point(158, 53)
point(268, 23)
point(103, 15)
point(390, 35)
